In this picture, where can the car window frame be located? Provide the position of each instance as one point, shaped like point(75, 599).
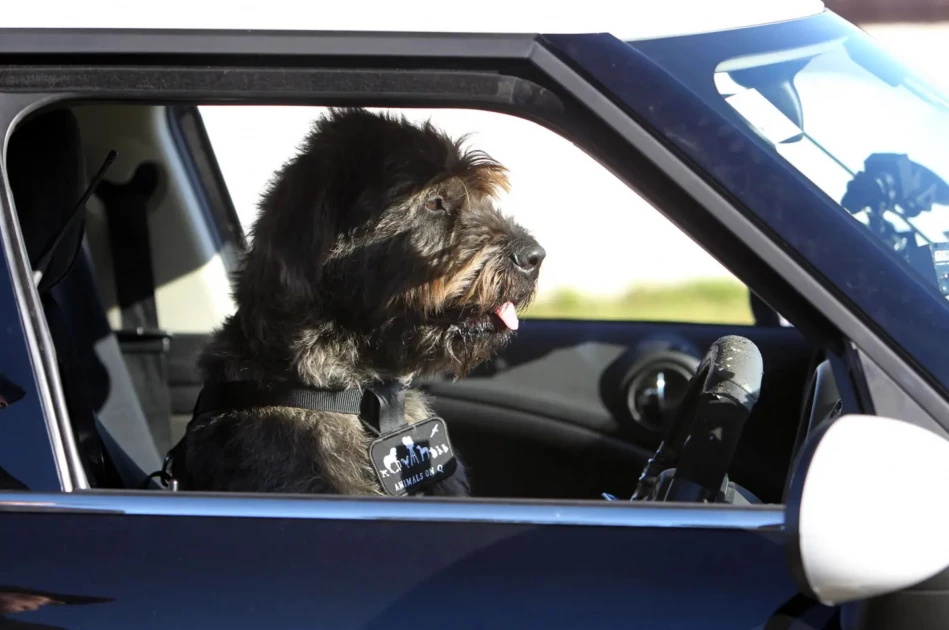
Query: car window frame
point(638, 170)
point(49, 388)
point(191, 141)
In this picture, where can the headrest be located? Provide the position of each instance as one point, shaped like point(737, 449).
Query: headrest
point(46, 169)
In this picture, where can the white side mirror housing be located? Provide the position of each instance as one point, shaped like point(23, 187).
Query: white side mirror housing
point(867, 508)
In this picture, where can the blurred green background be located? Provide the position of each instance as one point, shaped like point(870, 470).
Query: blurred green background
point(698, 301)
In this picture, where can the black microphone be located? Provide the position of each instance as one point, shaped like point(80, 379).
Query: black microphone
point(729, 394)
point(669, 449)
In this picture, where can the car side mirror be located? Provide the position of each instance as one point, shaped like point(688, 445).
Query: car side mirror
point(867, 512)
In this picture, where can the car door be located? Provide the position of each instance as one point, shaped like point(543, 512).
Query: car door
point(197, 562)
point(87, 559)
point(157, 559)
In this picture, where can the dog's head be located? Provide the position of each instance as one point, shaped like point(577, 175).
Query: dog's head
point(390, 231)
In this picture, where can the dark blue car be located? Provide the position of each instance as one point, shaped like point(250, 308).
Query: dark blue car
point(779, 473)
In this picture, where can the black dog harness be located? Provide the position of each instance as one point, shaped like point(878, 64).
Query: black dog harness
point(399, 453)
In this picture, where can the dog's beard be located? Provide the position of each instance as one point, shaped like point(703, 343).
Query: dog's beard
point(460, 347)
point(423, 350)
point(455, 341)
point(451, 320)
point(461, 340)
point(472, 345)
point(480, 318)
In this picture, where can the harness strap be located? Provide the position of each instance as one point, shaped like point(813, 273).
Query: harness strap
point(380, 407)
point(384, 406)
point(240, 395)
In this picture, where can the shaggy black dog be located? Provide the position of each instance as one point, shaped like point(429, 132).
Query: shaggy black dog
point(378, 255)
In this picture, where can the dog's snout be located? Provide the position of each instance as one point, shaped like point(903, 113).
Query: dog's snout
point(528, 256)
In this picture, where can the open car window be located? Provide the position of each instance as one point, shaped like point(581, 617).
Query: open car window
point(611, 256)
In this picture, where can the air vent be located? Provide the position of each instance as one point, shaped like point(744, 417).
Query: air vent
point(657, 387)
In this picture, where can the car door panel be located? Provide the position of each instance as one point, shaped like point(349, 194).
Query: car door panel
point(348, 573)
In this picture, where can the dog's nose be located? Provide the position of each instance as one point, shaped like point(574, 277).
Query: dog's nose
point(528, 256)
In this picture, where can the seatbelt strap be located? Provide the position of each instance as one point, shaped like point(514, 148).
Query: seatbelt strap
point(78, 211)
point(144, 344)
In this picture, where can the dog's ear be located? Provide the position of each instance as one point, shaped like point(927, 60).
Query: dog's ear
point(292, 237)
point(309, 203)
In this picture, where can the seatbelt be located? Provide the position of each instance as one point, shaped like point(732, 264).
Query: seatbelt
point(78, 212)
point(144, 345)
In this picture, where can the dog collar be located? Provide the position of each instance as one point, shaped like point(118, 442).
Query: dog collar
point(381, 407)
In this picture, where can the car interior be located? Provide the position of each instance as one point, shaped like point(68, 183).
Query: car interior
point(134, 280)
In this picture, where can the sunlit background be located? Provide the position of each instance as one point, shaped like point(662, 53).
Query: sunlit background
point(610, 254)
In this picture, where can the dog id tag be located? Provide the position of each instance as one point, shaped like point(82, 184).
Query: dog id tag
point(413, 457)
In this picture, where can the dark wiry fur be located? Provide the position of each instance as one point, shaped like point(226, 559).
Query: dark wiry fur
point(378, 254)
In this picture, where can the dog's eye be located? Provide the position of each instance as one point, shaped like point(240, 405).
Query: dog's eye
point(436, 205)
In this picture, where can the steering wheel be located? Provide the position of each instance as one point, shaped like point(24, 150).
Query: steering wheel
point(691, 464)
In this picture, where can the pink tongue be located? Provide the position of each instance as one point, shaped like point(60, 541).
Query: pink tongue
point(508, 315)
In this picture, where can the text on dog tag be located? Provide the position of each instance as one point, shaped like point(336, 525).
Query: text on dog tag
point(413, 457)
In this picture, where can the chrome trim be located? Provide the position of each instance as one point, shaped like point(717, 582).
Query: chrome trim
point(592, 513)
point(38, 339)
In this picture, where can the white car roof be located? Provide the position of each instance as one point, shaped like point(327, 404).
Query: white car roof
point(640, 19)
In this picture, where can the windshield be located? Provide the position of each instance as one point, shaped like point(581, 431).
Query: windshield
point(873, 138)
